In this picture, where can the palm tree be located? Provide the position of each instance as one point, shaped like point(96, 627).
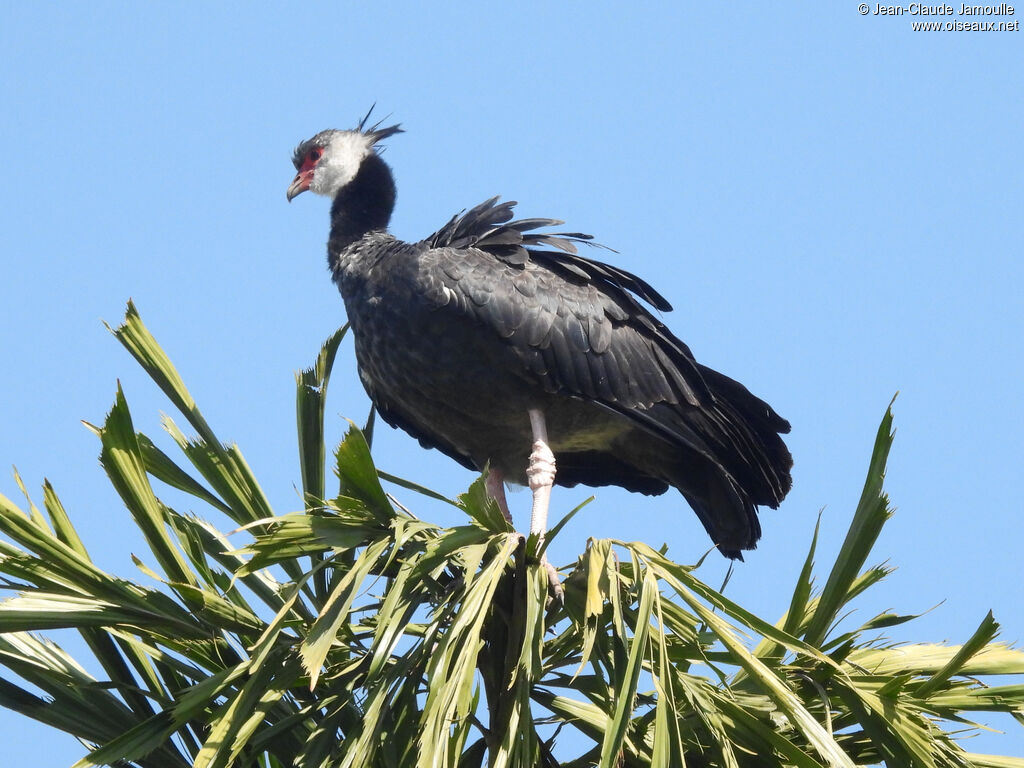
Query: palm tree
point(352, 633)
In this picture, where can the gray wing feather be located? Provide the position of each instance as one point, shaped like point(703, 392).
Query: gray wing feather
point(577, 326)
point(592, 340)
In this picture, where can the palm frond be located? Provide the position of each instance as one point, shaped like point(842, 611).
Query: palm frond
point(393, 642)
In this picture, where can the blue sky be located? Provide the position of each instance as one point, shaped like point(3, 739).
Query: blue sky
point(831, 201)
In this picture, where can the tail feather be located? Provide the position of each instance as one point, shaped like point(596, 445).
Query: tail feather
point(754, 453)
point(743, 463)
point(727, 514)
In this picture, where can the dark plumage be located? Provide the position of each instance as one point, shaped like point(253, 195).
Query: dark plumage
point(459, 335)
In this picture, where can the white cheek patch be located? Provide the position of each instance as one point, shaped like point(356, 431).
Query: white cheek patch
point(340, 163)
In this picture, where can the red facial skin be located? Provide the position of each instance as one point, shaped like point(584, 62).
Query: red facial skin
point(304, 177)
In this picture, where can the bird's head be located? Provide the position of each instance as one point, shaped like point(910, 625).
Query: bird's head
point(331, 159)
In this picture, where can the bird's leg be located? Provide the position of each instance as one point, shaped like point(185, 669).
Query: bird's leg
point(541, 474)
point(495, 485)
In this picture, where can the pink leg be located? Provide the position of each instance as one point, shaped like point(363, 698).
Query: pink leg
point(495, 485)
point(541, 474)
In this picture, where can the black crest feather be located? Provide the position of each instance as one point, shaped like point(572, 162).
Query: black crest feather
point(375, 130)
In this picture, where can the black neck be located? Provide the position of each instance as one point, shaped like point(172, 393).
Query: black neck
point(363, 205)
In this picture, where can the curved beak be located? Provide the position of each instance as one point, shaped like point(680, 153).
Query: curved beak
point(300, 183)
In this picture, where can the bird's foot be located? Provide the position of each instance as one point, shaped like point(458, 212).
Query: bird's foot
point(556, 593)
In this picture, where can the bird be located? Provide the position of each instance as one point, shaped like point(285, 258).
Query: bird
point(495, 342)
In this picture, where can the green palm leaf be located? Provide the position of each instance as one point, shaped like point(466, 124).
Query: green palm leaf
point(351, 633)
